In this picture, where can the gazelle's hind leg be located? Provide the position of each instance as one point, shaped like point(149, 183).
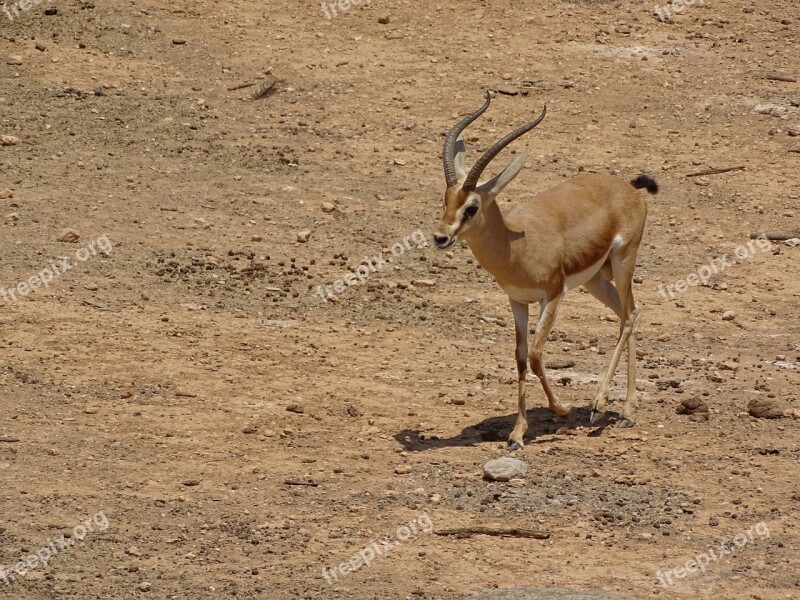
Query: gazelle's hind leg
point(620, 299)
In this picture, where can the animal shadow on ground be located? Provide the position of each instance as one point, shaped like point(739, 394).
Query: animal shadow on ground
point(541, 421)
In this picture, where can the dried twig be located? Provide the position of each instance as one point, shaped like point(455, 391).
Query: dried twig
point(305, 483)
point(781, 77)
point(776, 237)
point(241, 86)
point(264, 90)
point(716, 171)
point(462, 532)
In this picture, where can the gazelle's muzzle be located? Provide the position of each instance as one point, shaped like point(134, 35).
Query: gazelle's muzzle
point(443, 241)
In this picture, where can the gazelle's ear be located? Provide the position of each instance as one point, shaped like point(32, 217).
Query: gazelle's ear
point(496, 184)
point(461, 150)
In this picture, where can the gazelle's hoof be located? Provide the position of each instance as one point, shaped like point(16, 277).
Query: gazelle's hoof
point(513, 446)
point(625, 423)
point(562, 410)
point(595, 416)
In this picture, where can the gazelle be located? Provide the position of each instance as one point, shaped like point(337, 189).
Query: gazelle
point(584, 231)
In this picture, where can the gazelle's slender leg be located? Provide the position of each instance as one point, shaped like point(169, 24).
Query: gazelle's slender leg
point(521, 330)
point(629, 410)
point(623, 265)
point(547, 318)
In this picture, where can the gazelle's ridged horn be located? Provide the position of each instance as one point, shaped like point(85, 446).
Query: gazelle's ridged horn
point(471, 181)
point(449, 151)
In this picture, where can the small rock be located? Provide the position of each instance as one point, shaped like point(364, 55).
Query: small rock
point(792, 243)
point(769, 450)
point(402, 469)
point(328, 207)
point(69, 236)
point(694, 407)
point(257, 238)
point(383, 20)
point(179, 42)
point(145, 586)
point(50, 12)
point(191, 482)
point(7, 193)
point(133, 551)
point(794, 131)
point(303, 236)
point(296, 408)
point(9, 140)
point(561, 364)
point(424, 282)
point(792, 413)
point(12, 218)
point(250, 429)
point(14, 59)
point(765, 408)
point(504, 469)
point(728, 315)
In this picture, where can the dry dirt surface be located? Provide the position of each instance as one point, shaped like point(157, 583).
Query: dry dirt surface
point(227, 433)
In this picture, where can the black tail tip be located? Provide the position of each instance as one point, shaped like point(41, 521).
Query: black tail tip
point(646, 182)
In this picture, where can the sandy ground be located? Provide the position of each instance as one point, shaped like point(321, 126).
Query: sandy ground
point(185, 368)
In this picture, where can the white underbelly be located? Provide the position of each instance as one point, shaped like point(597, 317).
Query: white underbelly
point(581, 277)
point(523, 295)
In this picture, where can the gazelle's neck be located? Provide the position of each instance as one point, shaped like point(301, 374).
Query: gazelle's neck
point(490, 242)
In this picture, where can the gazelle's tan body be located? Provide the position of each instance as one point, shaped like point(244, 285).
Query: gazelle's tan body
point(585, 231)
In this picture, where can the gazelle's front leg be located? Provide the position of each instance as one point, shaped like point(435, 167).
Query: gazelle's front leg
point(547, 318)
point(521, 330)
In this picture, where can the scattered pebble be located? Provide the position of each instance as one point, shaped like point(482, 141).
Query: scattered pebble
point(765, 408)
point(696, 408)
point(504, 468)
point(69, 236)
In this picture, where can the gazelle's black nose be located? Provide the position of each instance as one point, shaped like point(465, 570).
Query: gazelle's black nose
point(441, 240)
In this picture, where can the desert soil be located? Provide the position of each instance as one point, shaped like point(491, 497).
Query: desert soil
point(176, 381)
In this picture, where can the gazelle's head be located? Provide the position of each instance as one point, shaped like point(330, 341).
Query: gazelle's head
point(465, 199)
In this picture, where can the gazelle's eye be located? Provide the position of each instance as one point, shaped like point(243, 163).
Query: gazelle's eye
point(471, 211)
